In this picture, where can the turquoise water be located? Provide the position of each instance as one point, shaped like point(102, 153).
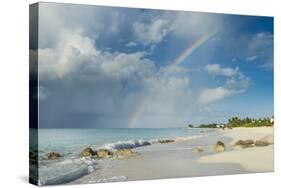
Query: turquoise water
point(69, 142)
point(73, 140)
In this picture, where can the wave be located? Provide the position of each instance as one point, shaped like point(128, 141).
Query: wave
point(130, 144)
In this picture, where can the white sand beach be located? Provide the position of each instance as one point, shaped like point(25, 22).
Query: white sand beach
point(257, 159)
point(177, 159)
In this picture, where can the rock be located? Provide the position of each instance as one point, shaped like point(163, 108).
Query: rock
point(219, 147)
point(33, 155)
point(197, 150)
point(53, 155)
point(122, 152)
point(104, 153)
point(262, 143)
point(268, 138)
point(244, 143)
point(88, 152)
point(166, 141)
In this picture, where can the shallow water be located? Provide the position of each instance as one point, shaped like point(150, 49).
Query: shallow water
point(69, 142)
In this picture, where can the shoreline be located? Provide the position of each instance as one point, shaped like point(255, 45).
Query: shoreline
point(159, 161)
point(178, 159)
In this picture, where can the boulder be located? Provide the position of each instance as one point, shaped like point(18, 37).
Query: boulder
point(88, 152)
point(122, 152)
point(268, 138)
point(53, 155)
point(104, 153)
point(244, 143)
point(166, 141)
point(219, 147)
point(262, 143)
point(197, 150)
point(33, 155)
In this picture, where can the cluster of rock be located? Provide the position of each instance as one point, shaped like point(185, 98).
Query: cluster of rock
point(244, 143)
point(53, 155)
point(166, 141)
point(266, 141)
point(104, 153)
point(89, 152)
point(220, 146)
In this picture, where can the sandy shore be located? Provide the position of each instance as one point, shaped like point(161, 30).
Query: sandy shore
point(257, 159)
point(178, 160)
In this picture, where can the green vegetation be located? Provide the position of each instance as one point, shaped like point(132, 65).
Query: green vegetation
point(243, 122)
point(212, 125)
point(249, 122)
point(190, 126)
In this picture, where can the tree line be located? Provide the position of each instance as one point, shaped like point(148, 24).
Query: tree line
point(239, 122)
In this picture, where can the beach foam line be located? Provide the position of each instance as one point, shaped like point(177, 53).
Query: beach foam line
point(130, 144)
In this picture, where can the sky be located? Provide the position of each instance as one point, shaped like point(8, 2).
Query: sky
point(108, 67)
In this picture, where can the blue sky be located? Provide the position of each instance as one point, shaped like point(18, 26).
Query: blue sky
point(113, 67)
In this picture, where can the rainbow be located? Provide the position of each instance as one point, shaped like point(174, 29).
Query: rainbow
point(180, 58)
point(135, 115)
point(190, 49)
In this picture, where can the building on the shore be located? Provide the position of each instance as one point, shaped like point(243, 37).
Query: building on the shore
point(272, 120)
point(220, 125)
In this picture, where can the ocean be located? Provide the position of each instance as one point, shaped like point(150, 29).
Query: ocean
point(70, 142)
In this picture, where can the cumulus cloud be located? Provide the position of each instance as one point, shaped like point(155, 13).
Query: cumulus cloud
point(92, 85)
point(152, 33)
point(235, 83)
point(101, 82)
point(213, 94)
point(216, 69)
point(68, 54)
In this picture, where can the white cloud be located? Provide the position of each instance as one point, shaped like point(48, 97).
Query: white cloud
point(216, 69)
point(131, 44)
point(213, 94)
point(236, 83)
point(152, 33)
point(89, 80)
point(72, 50)
point(251, 58)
